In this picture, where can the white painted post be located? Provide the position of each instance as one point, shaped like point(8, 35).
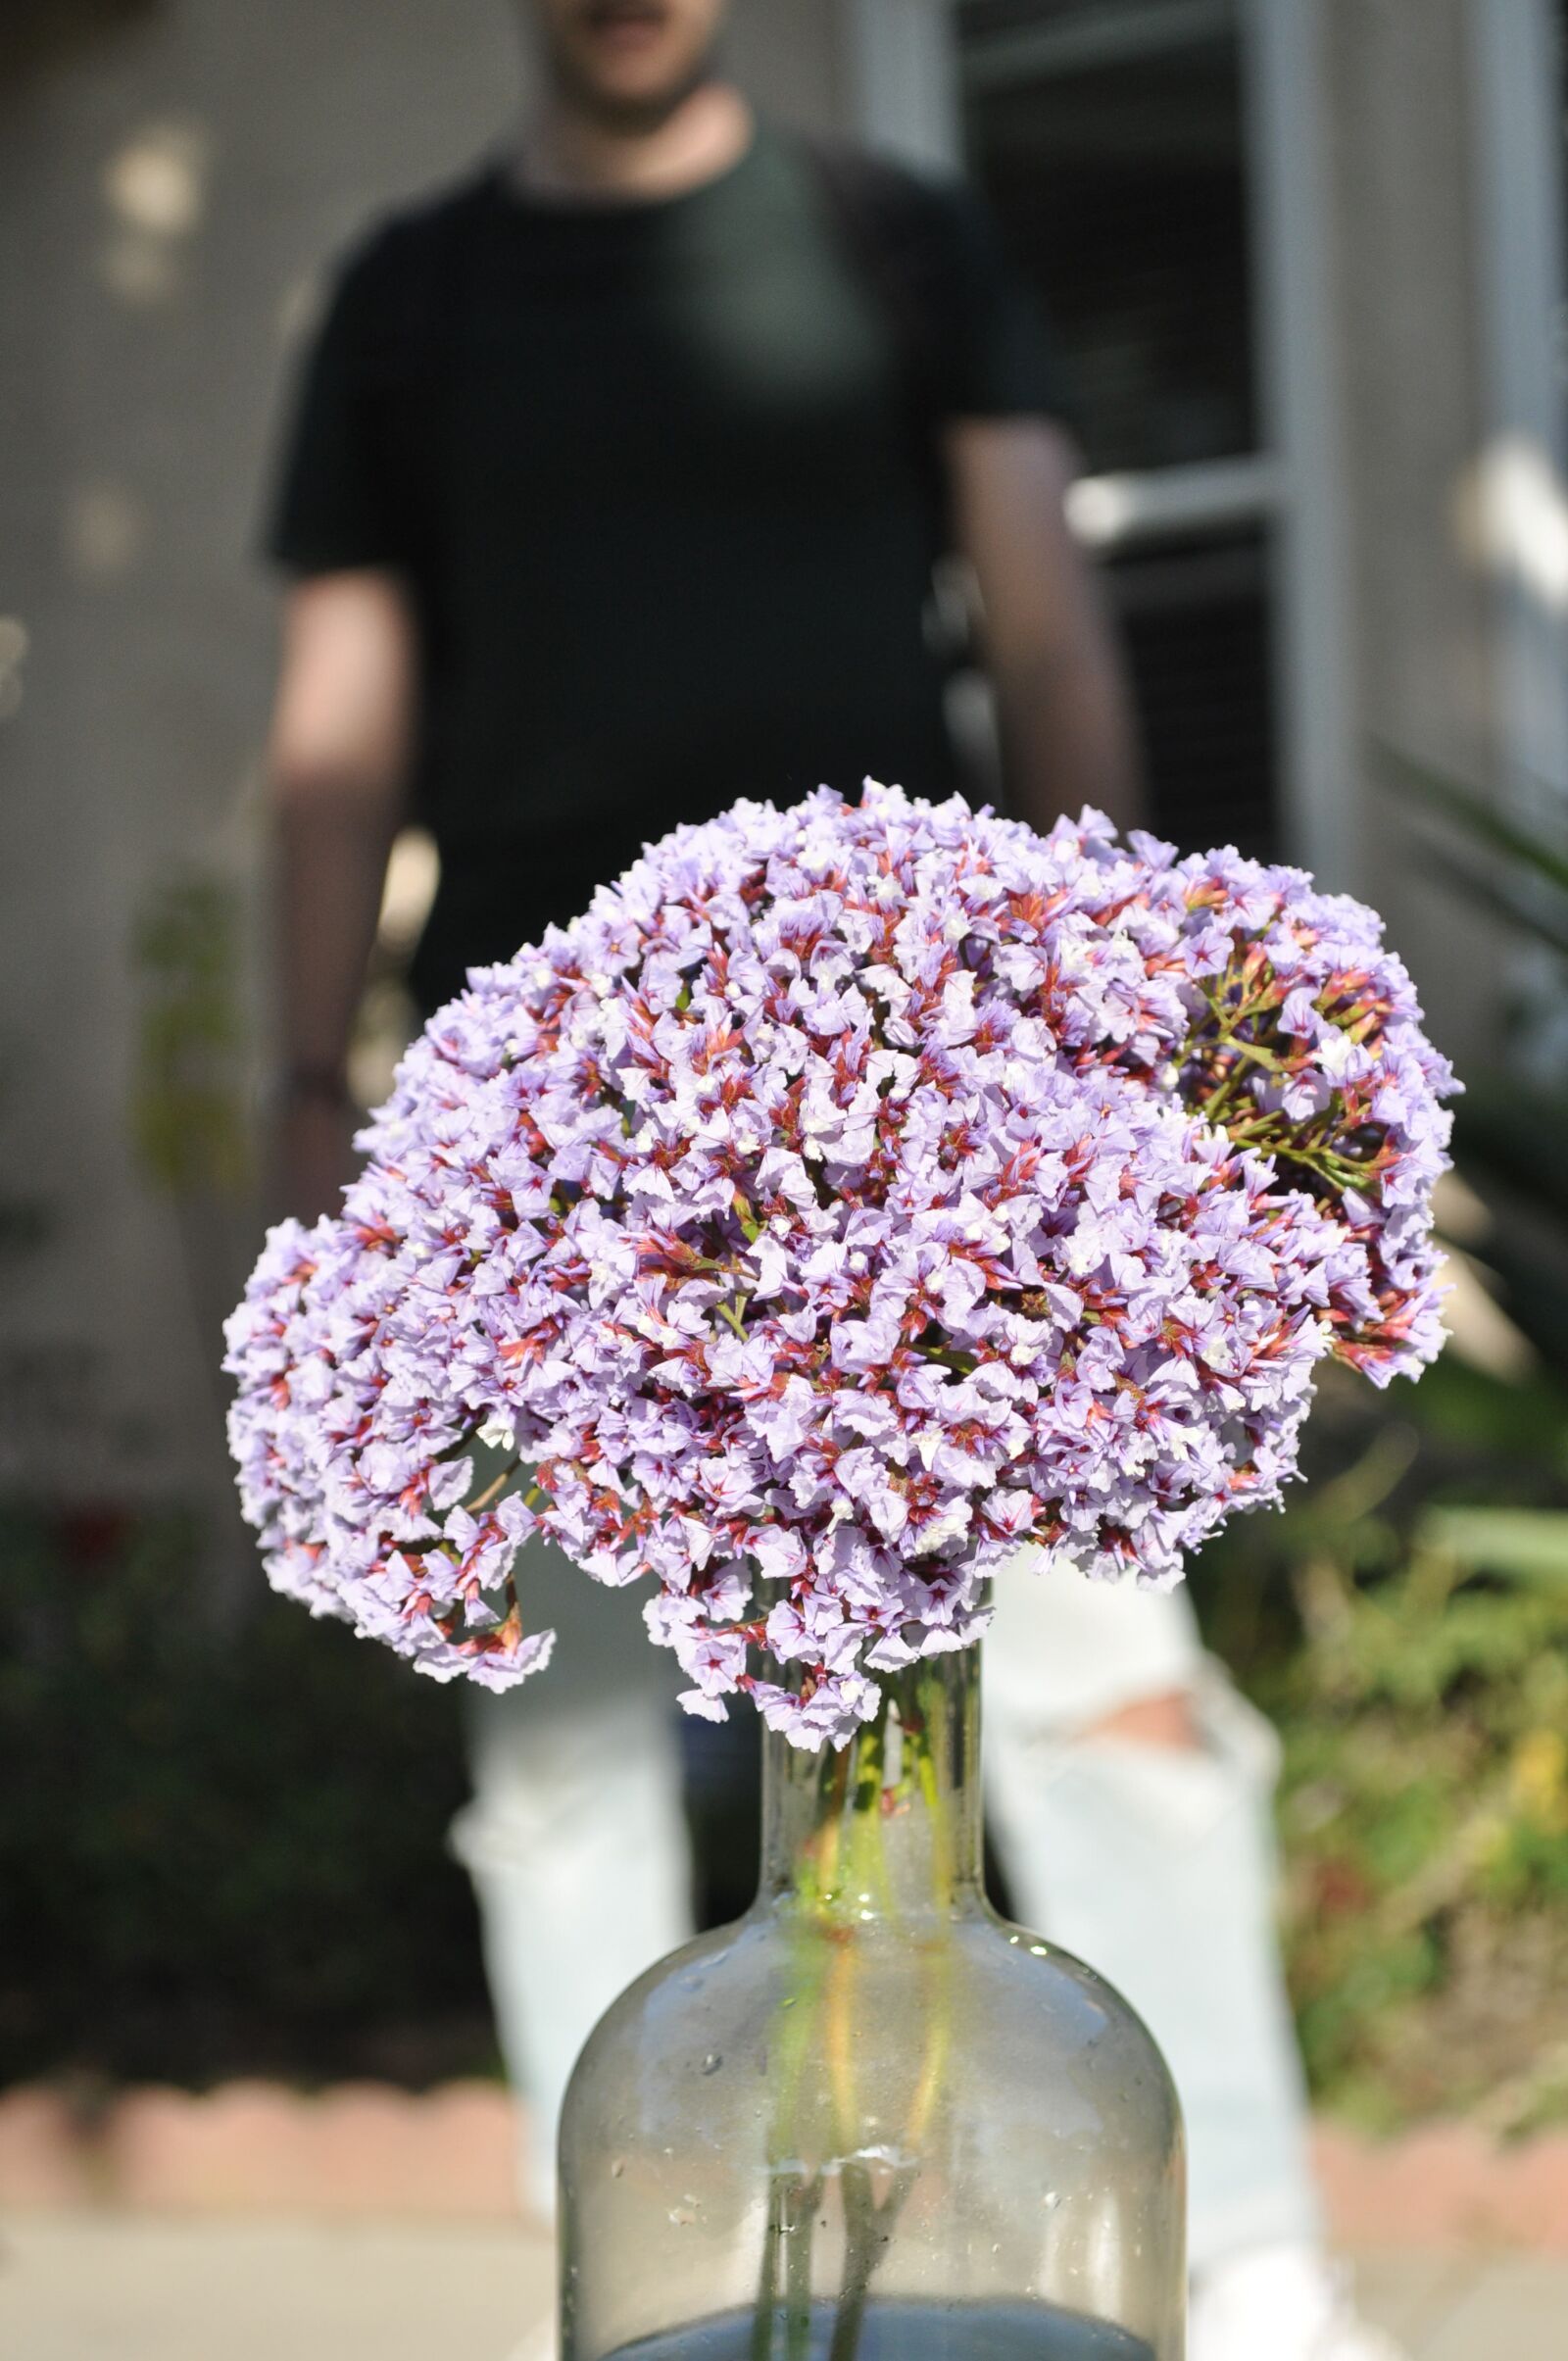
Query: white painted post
point(1318, 759)
point(903, 79)
point(1521, 504)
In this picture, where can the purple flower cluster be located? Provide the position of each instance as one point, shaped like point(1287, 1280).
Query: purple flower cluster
point(853, 1195)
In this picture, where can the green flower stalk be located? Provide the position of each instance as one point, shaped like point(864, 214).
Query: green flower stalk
point(874, 1858)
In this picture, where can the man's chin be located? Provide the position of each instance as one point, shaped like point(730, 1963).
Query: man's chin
point(632, 103)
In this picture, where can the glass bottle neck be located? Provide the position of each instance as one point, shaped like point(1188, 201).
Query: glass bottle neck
point(889, 1827)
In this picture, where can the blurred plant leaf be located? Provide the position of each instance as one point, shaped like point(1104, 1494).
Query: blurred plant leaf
point(1499, 899)
point(187, 1111)
point(1515, 1132)
point(1523, 1545)
point(1470, 812)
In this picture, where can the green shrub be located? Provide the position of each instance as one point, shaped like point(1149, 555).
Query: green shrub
point(224, 1848)
point(1414, 1655)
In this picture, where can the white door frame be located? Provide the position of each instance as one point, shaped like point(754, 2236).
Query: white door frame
point(903, 79)
point(1522, 476)
point(1297, 355)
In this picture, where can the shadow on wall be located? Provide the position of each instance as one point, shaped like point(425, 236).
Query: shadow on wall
point(33, 33)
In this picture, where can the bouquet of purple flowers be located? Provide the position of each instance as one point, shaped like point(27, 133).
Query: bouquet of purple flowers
point(854, 1194)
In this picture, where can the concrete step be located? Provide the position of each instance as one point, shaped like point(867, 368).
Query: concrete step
point(97, 2286)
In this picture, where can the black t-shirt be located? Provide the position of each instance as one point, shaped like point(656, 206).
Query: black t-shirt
point(662, 479)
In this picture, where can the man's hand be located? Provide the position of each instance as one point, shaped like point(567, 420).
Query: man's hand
point(1063, 709)
point(341, 738)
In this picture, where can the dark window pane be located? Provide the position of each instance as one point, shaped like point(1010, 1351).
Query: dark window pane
point(1195, 623)
point(1109, 138)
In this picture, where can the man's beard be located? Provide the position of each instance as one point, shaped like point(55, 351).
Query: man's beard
point(629, 114)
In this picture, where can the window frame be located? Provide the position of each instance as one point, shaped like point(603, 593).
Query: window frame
point(900, 46)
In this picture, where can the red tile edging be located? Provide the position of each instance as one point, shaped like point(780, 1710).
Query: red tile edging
point(1444, 2184)
point(364, 2148)
point(260, 2148)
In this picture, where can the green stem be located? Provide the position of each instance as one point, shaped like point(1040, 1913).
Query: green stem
point(483, 1500)
point(867, 2226)
point(767, 2283)
point(859, 2260)
point(799, 2214)
point(845, 1874)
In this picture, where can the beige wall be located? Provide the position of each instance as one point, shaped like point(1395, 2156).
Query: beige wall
point(165, 192)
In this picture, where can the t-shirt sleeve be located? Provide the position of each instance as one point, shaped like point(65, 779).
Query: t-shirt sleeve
point(1000, 358)
point(336, 503)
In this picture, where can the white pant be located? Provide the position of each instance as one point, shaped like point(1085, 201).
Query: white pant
point(576, 1835)
point(1154, 1863)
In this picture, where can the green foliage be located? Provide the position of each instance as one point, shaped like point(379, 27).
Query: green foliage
point(1414, 1649)
point(24, 1218)
point(187, 1116)
point(224, 1849)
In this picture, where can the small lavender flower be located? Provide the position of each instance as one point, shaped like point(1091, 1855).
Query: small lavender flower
point(853, 1195)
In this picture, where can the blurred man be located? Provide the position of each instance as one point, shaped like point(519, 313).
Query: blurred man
point(619, 480)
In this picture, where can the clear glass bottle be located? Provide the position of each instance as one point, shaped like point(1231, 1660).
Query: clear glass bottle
point(871, 2121)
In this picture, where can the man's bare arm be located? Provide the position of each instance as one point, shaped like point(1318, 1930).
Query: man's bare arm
point(342, 734)
point(1062, 707)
